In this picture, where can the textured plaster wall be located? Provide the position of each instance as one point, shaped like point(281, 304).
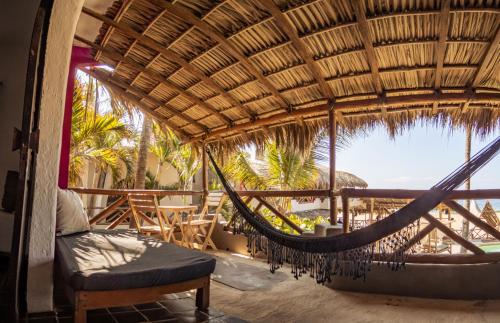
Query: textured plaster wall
point(62, 27)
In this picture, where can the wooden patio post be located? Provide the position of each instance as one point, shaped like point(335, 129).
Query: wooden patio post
point(204, 171)
point(332, 127)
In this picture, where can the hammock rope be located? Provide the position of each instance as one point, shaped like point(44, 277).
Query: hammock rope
point(348, 254)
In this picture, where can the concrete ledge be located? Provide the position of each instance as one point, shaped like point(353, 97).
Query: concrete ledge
point(473, 281)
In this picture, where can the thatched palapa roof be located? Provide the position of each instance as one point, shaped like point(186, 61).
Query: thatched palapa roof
point(235, 71)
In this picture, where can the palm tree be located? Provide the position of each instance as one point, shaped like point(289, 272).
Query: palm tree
point(280, 169)
point(97, 140)
point(142, 154)
point(184, 158)
point(162, 148)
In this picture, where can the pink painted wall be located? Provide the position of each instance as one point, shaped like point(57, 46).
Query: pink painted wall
point(80, 57)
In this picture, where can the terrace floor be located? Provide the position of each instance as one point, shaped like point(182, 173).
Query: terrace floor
point(305, 301)
point(288, 300)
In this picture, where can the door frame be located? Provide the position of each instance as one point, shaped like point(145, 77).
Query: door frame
point(28, 143)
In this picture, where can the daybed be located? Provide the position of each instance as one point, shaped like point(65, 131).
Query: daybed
point(119, 268)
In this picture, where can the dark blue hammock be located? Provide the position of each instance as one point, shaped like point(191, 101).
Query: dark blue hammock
point(350, 253)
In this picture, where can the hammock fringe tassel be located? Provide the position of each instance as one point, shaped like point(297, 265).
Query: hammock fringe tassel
point(322, 267)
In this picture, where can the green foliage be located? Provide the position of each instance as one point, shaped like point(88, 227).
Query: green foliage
point(168, 148)
point(280, 169)
point(97, 138)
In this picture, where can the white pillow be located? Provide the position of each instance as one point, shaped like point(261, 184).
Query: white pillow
point(70, 216)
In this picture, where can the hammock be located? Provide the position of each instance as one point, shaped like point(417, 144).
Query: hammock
point(348, 254)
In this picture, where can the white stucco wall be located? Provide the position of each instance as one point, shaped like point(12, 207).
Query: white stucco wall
point(62, 26)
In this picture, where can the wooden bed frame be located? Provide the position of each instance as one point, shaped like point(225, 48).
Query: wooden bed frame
point(85, 300)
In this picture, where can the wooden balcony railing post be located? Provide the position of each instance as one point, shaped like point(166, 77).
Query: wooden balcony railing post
point(204, 172)
point(332, 127)
point(345, 213)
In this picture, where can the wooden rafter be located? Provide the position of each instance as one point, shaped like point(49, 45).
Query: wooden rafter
point(186, 15)
point(320, 116)
point(439, 53)
point(333, 28)
point(413, 99)
point(495, 42)
point(170, 55)
point(135, 42)
point(282, 22)
point(157, 77)
point(145, 108)
point(101, 75)
point(368, 44)
point(109, 32)
point(156, 57)
point(444, 18)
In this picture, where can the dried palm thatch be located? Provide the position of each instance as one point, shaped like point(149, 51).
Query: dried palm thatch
point(342, 180)
point(231, 72)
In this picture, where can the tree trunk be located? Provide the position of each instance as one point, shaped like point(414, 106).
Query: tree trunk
point(142, 156)
point(157, 175)
point(465, 223)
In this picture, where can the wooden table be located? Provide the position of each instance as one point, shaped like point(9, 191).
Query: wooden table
point(176, 212)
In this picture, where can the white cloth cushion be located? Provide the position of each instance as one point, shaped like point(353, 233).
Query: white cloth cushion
point(71, 216)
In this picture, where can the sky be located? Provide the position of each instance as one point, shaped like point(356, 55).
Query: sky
point(417, 159)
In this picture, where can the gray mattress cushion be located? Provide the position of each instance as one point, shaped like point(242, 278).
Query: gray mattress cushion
point(109, 260)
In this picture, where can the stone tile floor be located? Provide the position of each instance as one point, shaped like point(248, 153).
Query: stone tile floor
point(173, 308)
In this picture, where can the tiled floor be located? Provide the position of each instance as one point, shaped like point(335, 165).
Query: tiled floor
point(173, 308)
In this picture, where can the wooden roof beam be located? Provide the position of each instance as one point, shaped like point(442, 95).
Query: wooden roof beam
point(135, 42)
point(347, 114)
point(367, 40)
point(146, 109)
point(157, 77)
point(283, 23)
point(368, 44)
point(186, 15)
point(423, 99)
point(170, 55)
point(495, 42)
point(109, 32)
point(444, 18)
point(144, 96)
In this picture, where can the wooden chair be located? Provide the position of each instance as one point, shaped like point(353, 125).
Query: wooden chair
point(434, 244)
point(144, 209)
point(489, 215)
point(200, 227)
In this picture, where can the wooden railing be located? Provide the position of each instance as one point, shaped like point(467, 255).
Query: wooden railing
point(259, 196)
point(261, 201)
point(435, 223)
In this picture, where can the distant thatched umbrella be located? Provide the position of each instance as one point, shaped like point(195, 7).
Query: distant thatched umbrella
point(343, 179)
